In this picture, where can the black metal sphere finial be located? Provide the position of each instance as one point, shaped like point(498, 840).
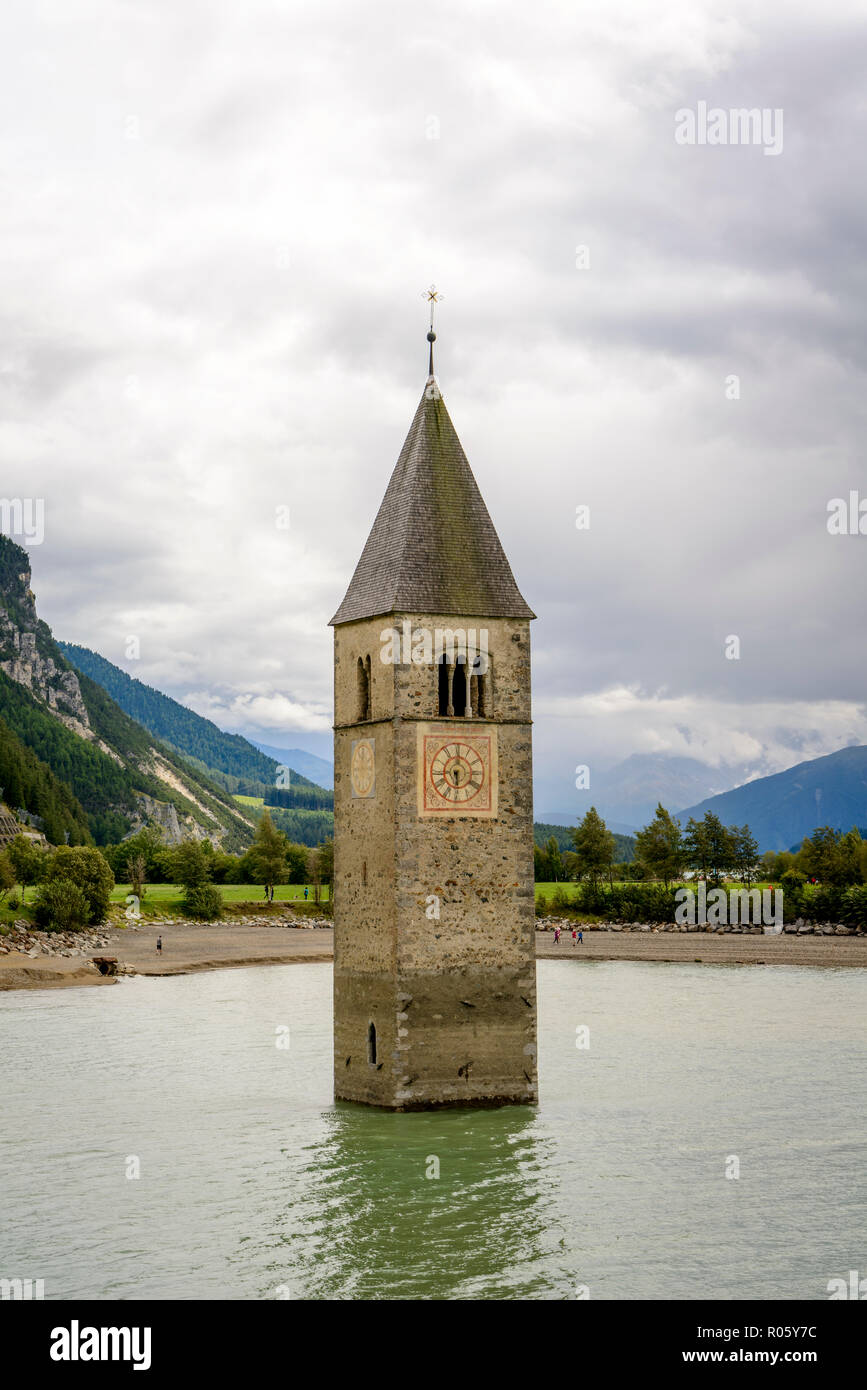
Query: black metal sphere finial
point(433, 297)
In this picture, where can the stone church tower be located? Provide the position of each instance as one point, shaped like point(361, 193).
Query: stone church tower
point(434, 925)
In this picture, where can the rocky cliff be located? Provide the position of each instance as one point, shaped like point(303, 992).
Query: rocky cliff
point(122, 776)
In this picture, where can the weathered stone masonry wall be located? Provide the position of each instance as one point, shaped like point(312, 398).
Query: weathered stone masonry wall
point(454, 999)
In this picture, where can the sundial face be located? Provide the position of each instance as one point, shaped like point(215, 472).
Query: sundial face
point(362, 767)
point(457, 772)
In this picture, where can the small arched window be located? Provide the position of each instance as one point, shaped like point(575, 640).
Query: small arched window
point(371, 1044)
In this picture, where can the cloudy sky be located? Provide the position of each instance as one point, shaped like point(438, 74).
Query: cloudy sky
point(217, 223)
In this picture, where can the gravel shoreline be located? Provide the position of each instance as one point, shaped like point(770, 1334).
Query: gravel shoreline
point(189, 947)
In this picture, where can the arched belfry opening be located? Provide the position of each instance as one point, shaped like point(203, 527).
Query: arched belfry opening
point(459, 688)
point(478, 695)
point(463, 689)
point(445, 681)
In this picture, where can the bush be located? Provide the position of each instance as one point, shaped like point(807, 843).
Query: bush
point(61, 906)
point(203, 900)
point(561, 898)
point(853, 912)
point(88, 871)
point(821, 902)
point(13, 902)
point(636, 902)
point(541, 905)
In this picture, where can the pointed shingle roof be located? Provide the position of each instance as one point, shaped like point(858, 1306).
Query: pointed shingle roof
point(433, 547)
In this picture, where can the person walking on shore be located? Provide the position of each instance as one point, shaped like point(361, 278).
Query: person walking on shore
point(574, 936)
point(159, 945)
point(556, 936)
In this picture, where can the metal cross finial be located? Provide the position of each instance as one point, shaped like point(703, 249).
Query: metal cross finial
point(433, 297)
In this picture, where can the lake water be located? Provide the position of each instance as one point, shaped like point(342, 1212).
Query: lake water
point(255, 1185)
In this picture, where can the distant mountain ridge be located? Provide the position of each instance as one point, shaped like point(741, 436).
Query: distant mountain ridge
point(309, 765)
point(783, 808)
point(631, 791)
point(230, 758)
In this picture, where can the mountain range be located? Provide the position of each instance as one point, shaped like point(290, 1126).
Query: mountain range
point(89, 752)
point(230, 759)
point(783, 808)
point(628, 793)
point(72, 760)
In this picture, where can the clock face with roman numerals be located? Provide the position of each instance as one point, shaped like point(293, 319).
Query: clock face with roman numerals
point(457, 772)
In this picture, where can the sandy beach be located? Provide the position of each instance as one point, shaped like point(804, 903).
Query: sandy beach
point(192, 947)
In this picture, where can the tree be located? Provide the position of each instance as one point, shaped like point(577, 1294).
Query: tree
point(659, 846)
point(709, 846)
point(268, 853)
point(296, 863)
point(541, 867)
point(189, 865)
point(555, 860)
point(849, 857)
point(28, 860)
point(570, 865)
point(192, 869)
point(696, 848)
point(61, 905)
point(820, 855)
point(745, 851)
point(136, 867)
point(87, 869)
point(203, 900)
point(594, 846)
point(720, 846)
point(7, 874)
point(325, 856)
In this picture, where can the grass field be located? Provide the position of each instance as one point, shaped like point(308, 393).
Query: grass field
point(570, 888)
point(166, 897)
point(250, 800)
point(165, 893)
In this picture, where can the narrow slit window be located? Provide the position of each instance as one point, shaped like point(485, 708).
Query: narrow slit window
point(371, 1044)
point(363, 689)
